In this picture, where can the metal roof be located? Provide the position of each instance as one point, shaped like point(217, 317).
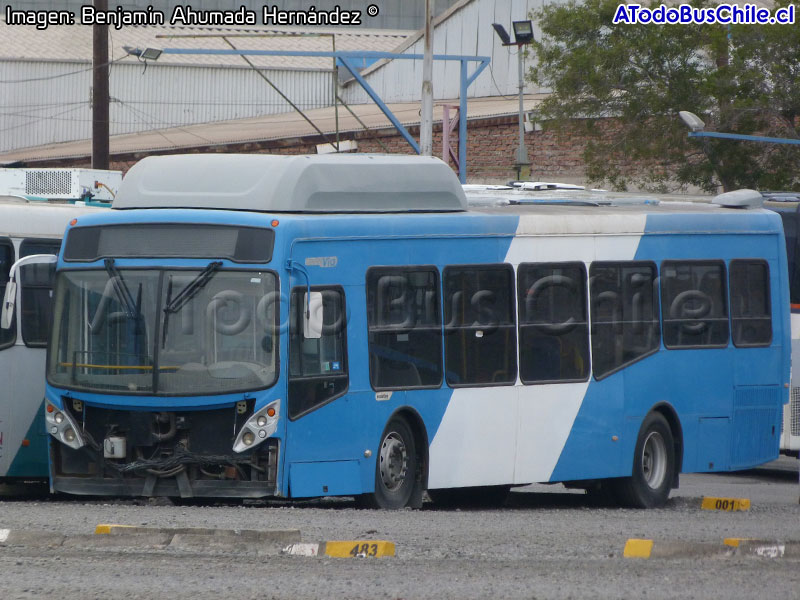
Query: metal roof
point(268, 127)
point(73, 43)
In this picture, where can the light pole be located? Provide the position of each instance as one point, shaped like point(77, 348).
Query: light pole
point(523, 35)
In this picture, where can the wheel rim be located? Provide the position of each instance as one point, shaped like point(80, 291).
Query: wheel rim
point(393, 461)
point(654, 460)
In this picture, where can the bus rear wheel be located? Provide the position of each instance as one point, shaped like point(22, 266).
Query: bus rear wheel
point(653, 466)
point(395, 468)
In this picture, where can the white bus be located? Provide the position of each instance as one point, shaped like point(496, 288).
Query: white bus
point(27, 228)
point(787, 205)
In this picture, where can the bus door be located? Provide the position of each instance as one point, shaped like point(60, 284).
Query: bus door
point(28, 284)
point(320, 455)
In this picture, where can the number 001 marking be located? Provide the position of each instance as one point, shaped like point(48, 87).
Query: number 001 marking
point(726, 504)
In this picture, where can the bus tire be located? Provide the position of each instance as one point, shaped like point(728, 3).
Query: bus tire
point(395, 468)
point(653, 466)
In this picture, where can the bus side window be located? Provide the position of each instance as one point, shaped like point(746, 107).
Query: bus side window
point(694, 307)
point(405, 327)
point(480, 328)
point(317, 365)
point(7, 336)
point(751, 314)
point(36, 283)
point(790, 229)
point(553, 327)
point(625, 325)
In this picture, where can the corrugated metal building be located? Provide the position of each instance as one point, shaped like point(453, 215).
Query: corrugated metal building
point(464, 29)
point(46, 78)
point(197, 103)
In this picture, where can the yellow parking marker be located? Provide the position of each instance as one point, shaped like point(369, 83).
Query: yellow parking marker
point(734, 542)
point(726, 504)
point(105, 529)
point(359, 548)
point(635, 548)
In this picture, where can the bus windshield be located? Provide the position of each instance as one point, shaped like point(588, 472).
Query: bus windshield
point(168, 332)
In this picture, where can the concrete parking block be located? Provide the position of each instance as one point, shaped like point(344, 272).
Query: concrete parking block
point(18, 537)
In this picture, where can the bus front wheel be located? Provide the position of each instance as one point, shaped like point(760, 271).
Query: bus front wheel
point(395, 468)
point(653, 466)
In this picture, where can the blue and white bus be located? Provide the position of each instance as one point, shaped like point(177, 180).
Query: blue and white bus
point(27, 228)
point(254, 325)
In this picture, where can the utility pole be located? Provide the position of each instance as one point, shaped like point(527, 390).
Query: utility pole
point(523, 35)
point(100, 120)
point(523, 164)
point(426, 115)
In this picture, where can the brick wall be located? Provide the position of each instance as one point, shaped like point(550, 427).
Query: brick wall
point(491, 150)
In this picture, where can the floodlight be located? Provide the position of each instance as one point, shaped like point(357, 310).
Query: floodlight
point(692, 121)
point(523, 32)
point(146, 54)
point(502, 33)
point(151, 53)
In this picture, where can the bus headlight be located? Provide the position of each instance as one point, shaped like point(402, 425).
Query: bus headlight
point(62, 427)
point(258, 427)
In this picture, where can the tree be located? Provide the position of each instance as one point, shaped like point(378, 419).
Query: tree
point(622, 85)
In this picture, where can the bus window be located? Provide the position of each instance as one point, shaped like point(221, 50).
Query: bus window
point(751, 318)
point(7, 336)
point(36, 283)
point(553, 329)
point(693, 304)
point(790, 221)
point(625, 324)
point(480, 332)
point(317, 365)
point(405, 327)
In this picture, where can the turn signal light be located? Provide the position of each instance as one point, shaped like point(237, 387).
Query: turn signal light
point(271, 412)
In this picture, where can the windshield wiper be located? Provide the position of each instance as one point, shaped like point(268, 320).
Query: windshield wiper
point(194, 286)
point(173, 305)
point(132, 308)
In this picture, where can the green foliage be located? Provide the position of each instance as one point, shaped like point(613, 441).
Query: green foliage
point(743, 79)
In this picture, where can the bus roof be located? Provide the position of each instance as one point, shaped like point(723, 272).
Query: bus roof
point(338, 183)
point(22, 218)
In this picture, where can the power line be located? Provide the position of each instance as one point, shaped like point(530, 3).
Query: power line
point(40, 119)
point(51, 77)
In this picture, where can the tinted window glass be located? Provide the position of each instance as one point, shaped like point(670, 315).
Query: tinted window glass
point(239, 244)
point(405, 327)
point(480, 329)
point(695, 311)
point(790, 226)
point(553, 329)
point(36, 282)
point(625, 323)
point(176, 332)
point(317, 360)
point(751, 317)
point(7, 336)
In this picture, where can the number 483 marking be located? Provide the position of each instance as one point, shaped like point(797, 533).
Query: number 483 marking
point(365, 549)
